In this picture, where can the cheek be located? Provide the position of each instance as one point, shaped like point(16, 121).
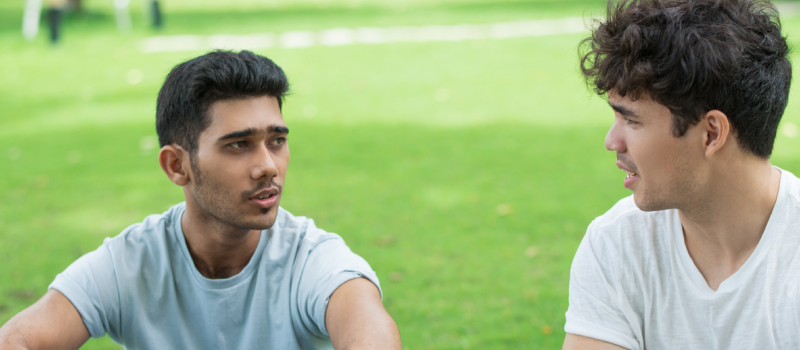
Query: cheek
point(639, 149)
point(648, 153)
point(227, 171)
point(664, 160)
point(282, 160)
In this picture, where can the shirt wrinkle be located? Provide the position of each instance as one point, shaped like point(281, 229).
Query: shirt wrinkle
point(640, 255)
point(156, 302)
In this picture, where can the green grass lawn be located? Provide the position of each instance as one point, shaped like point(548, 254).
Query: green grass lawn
point(469, 207)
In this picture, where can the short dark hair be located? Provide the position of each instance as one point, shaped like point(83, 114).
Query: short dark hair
point(192, 86)
point(693, 56)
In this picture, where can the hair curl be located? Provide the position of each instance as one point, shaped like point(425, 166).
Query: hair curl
point(693, 56)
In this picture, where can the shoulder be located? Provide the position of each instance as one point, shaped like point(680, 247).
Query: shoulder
point(136, 238)
point(624, 211)
point(301, 230)
point(626, 241)
point(627, 225)
point(314, 247)
point(624, 256)
point(792, 188)
point(144, 241)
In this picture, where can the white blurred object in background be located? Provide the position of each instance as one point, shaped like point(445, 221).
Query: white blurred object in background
point(55, 9)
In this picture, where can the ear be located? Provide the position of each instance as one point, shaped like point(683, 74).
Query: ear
point(174, 160)
point(716, 129)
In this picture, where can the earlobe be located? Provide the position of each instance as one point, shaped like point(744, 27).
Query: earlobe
point(716, 131)
point(171, 160)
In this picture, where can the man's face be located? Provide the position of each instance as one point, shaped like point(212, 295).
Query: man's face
point(240, 166)
point(659, 166)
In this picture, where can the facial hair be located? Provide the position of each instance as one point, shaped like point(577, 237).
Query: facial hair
point(627, 163)
point(222, 205)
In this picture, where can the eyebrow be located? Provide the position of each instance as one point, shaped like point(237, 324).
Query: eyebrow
point(622, 110)
point(252, 131)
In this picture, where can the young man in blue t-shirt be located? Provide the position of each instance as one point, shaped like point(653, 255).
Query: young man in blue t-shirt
point(228, 268)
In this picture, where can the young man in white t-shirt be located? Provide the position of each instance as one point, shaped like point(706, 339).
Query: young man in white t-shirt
point(706, 252)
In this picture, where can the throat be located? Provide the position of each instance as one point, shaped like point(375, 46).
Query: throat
point(216, 254)
point(215, 272)
point(715, 263)
point(723, 233)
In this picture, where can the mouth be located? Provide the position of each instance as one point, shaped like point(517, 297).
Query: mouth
point(630, 179)
point(266, 198)
point(631, 176)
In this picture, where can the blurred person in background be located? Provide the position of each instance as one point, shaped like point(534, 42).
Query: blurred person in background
point(706, 252)
point(54, 12)
point(228, 268)
point(55, 9)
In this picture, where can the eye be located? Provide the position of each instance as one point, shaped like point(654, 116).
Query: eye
point(630, 122)
point(279, 141)
point(238, 144)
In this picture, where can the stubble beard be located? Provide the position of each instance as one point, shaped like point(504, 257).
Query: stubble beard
point(681, 193)
point(220, 204)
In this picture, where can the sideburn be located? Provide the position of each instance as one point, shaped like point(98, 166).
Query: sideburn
point(198, 175)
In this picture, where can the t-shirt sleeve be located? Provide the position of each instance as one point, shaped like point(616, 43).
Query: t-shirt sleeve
point(594, 300)
point(328, 265)
point(91, 286)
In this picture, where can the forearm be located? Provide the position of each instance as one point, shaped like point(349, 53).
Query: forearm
point(11, 338)
point(50, 323)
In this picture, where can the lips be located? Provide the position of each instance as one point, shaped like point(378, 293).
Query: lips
point(632, 176)
point(630, 179)
point(266, 198)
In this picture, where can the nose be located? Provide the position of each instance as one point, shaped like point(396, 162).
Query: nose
point(615, 140)
point(263, 165)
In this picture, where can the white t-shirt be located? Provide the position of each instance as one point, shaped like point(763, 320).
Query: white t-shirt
point(634, 284)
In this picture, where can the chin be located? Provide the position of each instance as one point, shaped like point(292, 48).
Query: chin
point(260, 222)
point(257, 225)
point(268, 219)
point(649, 204)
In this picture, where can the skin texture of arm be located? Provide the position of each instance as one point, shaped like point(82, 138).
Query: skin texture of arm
point(579, 342)
point(50, 323)
point(356, 318)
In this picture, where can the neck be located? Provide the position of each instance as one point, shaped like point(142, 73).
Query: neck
point(722, 229)
point(217, 249)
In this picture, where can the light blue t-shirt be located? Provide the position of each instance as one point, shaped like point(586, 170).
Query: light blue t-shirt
point(143, 290)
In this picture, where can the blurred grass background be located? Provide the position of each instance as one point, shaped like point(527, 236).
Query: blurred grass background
point(464, 172)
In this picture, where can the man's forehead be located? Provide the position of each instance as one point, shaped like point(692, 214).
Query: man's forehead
point(620, 103)
point(612, 95)
point(258, 114)
point(639, 107)
point(631, 99)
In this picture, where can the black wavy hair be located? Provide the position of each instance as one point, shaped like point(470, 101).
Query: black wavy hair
point(192, 86)
point(693, 56)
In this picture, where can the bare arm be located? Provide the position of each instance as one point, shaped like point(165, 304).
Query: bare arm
point(50, 323)
point(356, 318)
point(579, 342)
